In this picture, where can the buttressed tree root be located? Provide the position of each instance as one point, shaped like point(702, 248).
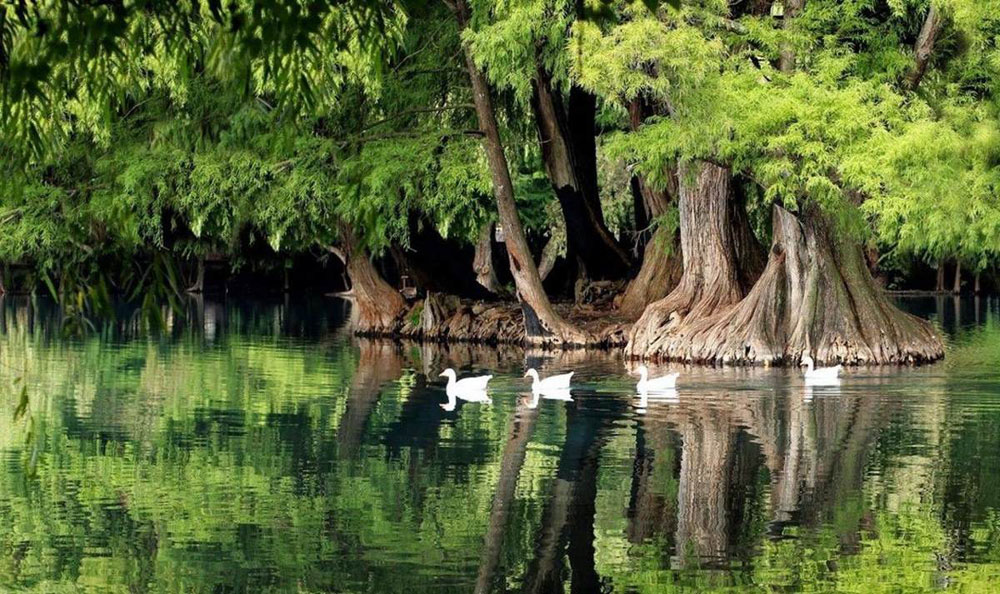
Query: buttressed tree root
point(816, 296)
point(721, 259)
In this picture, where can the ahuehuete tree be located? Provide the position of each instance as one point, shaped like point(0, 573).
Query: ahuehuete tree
point(782, 105)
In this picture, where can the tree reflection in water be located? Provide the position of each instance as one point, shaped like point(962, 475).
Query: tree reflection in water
point(259, 447)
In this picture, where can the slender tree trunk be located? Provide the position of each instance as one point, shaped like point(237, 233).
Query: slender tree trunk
point(956, 287)
point(542, 324)
point(792, 10)
point(721, 259)
point(661, 262)
point(939, 287)
point(569, 153)
point(482, 262)
point(977, 286)
point(379, 305)
point(815, 297)
point(924, 47)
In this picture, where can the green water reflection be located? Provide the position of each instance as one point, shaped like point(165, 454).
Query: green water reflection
point(259, 448)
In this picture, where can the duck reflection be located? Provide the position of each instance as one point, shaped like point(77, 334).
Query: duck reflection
point(560, 394)
point(665, 397)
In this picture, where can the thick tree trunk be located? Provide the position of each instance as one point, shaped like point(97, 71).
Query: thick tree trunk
point(661, 263)
point(956, 287)
point(939, 287)
point(482, 262)
point(815, 297)
point(721, 260)
point(379, 305)
point(924, 47)
point(569, 153)
point(542, 324)
point(792, 10)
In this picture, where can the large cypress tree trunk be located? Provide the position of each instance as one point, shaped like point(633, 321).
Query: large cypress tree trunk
point(721, 259)
point(569, 153)
point(661, 261)
point(542, 324)
point(379, 305)
point(815, 297)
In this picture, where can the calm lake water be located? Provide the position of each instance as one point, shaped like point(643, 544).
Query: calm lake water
point(255, 447)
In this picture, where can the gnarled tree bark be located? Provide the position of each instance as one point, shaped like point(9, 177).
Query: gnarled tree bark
point(379, 304)
point(815, 297)
point(721, 259)
point(569, 154)
point(542, 324)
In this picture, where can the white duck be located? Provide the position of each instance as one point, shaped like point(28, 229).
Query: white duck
point(823, 376)
point(655, 384)
point(470, 389)
point(550, 384)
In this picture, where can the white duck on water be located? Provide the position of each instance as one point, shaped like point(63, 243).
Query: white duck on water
point(822, 375)
point(470, 389)
point(552, 383)
point(655, 384)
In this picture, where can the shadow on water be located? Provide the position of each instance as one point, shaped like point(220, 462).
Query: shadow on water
point(257, 446)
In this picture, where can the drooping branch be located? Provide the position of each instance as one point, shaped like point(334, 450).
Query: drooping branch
point(924, 47)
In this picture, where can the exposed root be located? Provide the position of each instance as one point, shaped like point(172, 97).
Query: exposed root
point(721, 260)
point(817, 297)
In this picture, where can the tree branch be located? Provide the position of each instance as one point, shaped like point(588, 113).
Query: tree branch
point(407, 112)
point(924, 47)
